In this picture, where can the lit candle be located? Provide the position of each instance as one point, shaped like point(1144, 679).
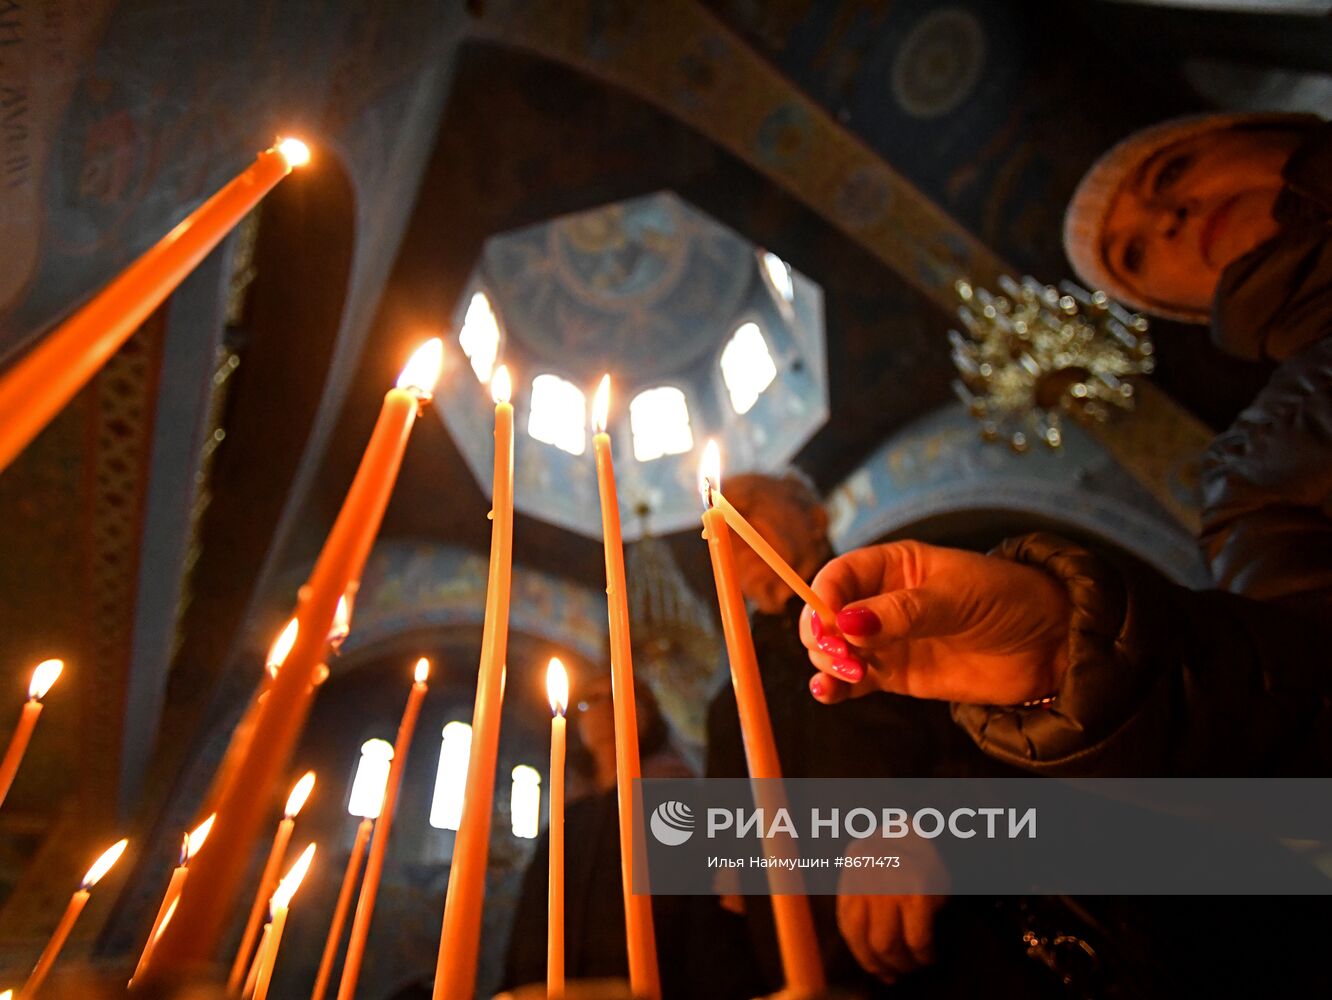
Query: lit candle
point(455, 969)
point(76, 904)
point(775, 562)
point(644, 979)
point(374, 867)
point(39, 386)
point(189, 848)
point(343, 905)
point(252, 977)
point(557, 687)
point(217, 877)
point(43, 676)
point(796, 940)
point(268, 878)
point(277, 921)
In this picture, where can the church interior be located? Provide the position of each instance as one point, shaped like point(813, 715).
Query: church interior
point(795, 228)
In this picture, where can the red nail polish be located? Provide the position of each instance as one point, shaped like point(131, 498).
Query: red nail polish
point(849, 669)
point(833, 646)
point(859, 622)
point(818, 687)
point(816, 624)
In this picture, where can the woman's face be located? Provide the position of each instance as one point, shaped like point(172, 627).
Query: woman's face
point(1191, 209)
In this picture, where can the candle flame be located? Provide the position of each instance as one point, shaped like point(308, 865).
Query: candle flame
point(299, 793)
point(103, 864)
point(292, 880)
point(422, 670)
point(422, 371)
point(196, 837)
point(7, 995)
point(709, 472)
point(341, 626)
point(557, 686)
point(281, 648)
point(43, 676)
point(501, 385)
point(601, 405)
point(295, 152)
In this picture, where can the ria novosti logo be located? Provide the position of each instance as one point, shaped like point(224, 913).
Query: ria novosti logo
point(672, 823)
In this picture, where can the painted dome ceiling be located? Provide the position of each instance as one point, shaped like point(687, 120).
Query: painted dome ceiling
point(703, 333)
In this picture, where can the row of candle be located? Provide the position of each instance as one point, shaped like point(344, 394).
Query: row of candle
point(39, 385)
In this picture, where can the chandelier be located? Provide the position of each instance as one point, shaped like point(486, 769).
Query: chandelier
point(1036, 354)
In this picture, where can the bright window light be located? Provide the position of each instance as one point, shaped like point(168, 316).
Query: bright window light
point(525, 802)
point(367, 791)
point(451, 778)
point(659, 420)
point(559, 414)
point(778, 273)
point(747, 367)
point(480, 336)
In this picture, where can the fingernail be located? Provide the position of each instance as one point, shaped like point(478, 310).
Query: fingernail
point(859, 622)
point(818, 687)
point(833, 646)
point(816, 624)
point(849, 669)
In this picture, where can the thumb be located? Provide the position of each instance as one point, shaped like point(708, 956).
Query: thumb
point(910, 613)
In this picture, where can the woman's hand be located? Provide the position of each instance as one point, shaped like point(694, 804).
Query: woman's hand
point(940, 623)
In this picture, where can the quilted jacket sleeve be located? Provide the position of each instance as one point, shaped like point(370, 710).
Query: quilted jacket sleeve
point(1164, 680)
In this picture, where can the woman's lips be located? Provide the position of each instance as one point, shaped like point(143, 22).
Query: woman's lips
point(1212, 227)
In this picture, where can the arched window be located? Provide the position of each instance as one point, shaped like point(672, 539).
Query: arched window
point(451, 777)
point(480, 336)
point(747, 367)
point(659, 421)
point(525, 802)
point(367, 790)
point(559, 414)
point(778, 275)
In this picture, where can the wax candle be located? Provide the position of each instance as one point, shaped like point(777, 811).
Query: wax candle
point(39, 386)
point(216, 879)
point(278, 908)
point(252, 977)
point(775, 562)
point(268, 878)
point(374, 867)
point(796, 940)
point(341, 908)
point(557, 688)
point(76, 904)
point(640, 937)
point(43, 676)
point(455, 968)
point(189, 848)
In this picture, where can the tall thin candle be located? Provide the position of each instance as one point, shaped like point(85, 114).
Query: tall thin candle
point(189, 848)
point(557, 688)
point(76, 904)
point(280, 905)
point(341, 908)
point(796, 940)
point(374, 867)
point(40, 385)
point(640, 937)
point(43, 676)
point(460, 936)
point(216, 879)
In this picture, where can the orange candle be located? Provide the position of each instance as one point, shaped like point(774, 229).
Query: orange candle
point(640, 937)
point(557, 687)
point(252, 976)
point(279, 907)
point(455, 969)
point(775, 562)
point(374, 867)
point(189, 848)
point(268, 878)
point(76, 904)
point(43, 676)
point(325, 974)
point(40, 385)
point(217, 876)
point(796, 939)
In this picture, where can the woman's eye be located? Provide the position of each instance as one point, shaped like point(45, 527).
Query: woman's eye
point(1170, 173)
point(1132, 258)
